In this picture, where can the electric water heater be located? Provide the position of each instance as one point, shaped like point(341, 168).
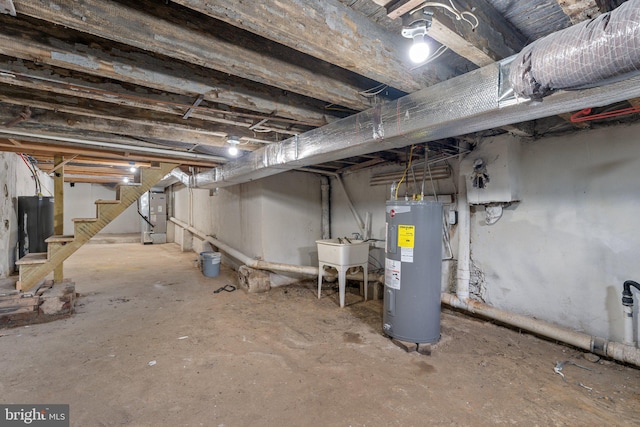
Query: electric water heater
point(413, 267)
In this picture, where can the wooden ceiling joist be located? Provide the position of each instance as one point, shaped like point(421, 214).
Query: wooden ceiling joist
point(133, 27)
point(137, 68)
point(47, 148)
point(327, 30)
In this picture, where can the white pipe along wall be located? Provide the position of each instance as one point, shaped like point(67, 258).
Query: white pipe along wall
point(266, 265)
point(625, 352)
point(596, 345)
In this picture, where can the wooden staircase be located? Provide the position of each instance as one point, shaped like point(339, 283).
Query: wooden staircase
point(36, 266)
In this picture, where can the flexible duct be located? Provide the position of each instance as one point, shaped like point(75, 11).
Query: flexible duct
point(587, 54)
point(593, 344)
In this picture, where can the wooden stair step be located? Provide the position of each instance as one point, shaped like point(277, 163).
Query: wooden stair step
point(60, 239)
point(33, 258)
point(76, 220)
point(85, 228)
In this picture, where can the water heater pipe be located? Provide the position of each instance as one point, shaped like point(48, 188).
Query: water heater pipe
point(338, 177)
point(266, 265)
point(464, 241)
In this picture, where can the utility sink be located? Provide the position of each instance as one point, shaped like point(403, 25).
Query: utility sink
point(331, 251)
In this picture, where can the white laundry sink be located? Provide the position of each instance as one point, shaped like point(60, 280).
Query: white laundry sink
point(331, 251)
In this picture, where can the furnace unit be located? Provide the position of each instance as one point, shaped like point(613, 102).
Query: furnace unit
point(153, 210)
point(413, 268)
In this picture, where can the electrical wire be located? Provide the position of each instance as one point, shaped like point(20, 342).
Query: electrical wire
point(437, 54)
point(405, 171)
point(35, 169)
point(34, 174)
point(459, 15)
point(378, 90)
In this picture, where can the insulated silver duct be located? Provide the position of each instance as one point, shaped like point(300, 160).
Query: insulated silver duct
point(587, 54)
point(465, 104)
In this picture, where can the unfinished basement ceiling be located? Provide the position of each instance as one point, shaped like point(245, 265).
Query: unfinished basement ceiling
point(114, 83)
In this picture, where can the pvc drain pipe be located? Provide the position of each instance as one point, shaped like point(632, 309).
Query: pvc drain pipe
point(266, 265)
point(597, 345)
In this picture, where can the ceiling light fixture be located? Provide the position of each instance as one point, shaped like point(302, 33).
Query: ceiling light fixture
point(415, 26)
point(133, 169)
point(233, 142)
point(125, 179)
point(416, 23)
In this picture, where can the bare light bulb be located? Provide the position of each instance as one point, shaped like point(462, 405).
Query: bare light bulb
point(132, 169)
point(233, 150)
point(125, 179)
point(419, 51)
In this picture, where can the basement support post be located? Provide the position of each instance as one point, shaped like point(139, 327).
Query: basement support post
point(58, 208)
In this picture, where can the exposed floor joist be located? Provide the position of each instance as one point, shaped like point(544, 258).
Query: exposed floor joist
point(130, 26)
point(330, 31)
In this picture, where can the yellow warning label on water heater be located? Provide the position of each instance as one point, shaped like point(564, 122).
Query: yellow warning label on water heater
point(406, 236)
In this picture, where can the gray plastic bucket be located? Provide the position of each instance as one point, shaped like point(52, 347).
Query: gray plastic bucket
point(210, 263)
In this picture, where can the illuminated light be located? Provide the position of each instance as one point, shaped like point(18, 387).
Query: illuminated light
point(419, 51)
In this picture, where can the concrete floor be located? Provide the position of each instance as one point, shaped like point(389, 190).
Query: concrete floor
point(284, 358)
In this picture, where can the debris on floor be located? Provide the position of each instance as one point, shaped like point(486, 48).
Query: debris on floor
point(47, 303)
point(252, 280)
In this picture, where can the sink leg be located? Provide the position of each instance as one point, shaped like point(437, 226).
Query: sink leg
point(320, 271)
point(342, 281)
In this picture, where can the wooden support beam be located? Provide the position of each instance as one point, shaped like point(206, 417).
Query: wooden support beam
point(45, 146)
point(579, 10)
point(93, 170)
point(83, 160)
point(328, 30)
point(44, 120)
point(60, 165)
point(83, 179)
point(494, 38)
point(99, 110)
point(58, 209)
point(136, 28)
point(29, 76)
point(399, 8)
point(141, 69)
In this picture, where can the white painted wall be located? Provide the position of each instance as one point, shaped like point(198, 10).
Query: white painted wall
point(79, 202)
point(15, 180)
point(373, 199)
point(276, 219)
point(560, 254)
point(563, 252)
